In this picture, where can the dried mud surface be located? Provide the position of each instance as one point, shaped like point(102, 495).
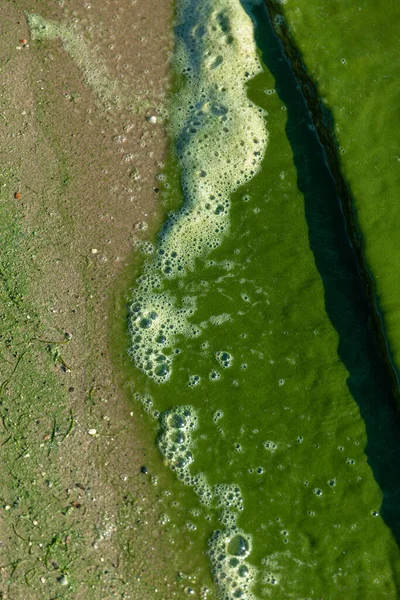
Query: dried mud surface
point(78, 176)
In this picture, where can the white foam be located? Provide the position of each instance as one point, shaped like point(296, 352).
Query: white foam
point(220, 137)
point(233, 575)
point(228, 547)
point(95, 73)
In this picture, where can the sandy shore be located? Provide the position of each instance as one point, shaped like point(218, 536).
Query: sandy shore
point(79, 171)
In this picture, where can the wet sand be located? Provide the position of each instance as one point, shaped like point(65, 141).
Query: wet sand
point(78, 518)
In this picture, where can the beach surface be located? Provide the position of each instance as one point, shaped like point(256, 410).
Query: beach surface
point(79, 508)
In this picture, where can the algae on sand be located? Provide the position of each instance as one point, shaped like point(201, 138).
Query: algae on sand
point(94, 72)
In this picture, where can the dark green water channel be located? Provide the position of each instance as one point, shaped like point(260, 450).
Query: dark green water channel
point(289, 399)
point(345, 299)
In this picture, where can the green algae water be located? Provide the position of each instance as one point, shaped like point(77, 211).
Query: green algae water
point(349, 48)
point(250, 337)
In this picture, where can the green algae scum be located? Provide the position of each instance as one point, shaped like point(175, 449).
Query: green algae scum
point(251, 336)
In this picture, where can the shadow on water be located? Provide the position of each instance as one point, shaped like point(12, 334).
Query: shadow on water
point(346, 301)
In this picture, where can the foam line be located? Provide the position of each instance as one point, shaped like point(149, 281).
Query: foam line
point(220, 139)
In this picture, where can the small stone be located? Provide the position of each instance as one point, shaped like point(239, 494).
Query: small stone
point(92, 431)
point(62, 580)
point(94, 250)
point(152, 119)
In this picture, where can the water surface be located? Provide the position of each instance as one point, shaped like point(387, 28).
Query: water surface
point(266, 393)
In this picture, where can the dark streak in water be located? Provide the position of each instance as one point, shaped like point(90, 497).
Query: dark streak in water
point(323, 121)
point(336, 243)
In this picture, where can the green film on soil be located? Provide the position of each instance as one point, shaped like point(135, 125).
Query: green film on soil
point(237, 359)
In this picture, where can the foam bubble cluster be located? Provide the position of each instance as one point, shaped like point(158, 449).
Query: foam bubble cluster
point(230, 546)
point(233, 575)
point(220, 139)
point(175, 440)
point(176, 445)
point(228, 496)
point(224, 359)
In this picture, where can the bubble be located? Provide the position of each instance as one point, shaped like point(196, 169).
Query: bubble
point(218, 415)
point(224, 359)
point(285, 533)
point(178, 437)
point(269, 445)
point(238, 546)
point(194, 380)
point(214, 376)
point(161, 371)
